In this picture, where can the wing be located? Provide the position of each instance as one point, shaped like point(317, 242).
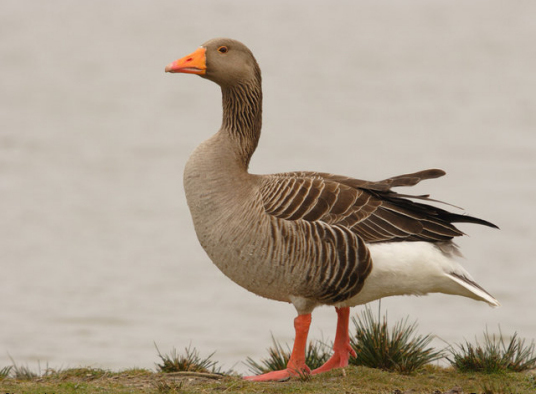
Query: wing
point(371, 210)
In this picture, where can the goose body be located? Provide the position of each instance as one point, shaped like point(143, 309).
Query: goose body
point(310, 238)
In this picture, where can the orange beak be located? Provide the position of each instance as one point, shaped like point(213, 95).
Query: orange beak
point(195, 63)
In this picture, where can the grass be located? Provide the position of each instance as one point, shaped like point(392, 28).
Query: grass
point(4, 372)
point(189, 362)
point(495, 355)
point(397, 349)
point(362, 380)
point(316, 354)
point(23, 372)
point(389, 360)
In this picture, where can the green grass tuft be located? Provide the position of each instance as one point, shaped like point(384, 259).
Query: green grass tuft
point(24, 372)
point(315, 356)
point(398, 349)
point(190, 362)
point(494, 355)
point(4, 372)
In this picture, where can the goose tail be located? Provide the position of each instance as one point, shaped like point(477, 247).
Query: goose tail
point(418, 268)
point(478, 292)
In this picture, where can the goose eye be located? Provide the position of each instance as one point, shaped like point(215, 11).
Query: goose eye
point(223, 49)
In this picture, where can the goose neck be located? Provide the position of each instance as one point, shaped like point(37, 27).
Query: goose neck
point(242, 117)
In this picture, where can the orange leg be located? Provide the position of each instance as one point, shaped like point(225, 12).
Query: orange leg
point(296, 365)
point(341, 348)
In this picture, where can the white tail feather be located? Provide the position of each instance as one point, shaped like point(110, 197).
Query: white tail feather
point(476, 290)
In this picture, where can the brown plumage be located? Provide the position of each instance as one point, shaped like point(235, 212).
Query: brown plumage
point(310, 238)
point(371, 210)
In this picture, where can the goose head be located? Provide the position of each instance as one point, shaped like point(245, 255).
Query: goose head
point(224, 61)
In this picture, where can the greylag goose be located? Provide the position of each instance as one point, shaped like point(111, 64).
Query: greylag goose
point(310, 238)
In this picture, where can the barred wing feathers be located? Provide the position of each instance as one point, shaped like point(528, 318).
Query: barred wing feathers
point(371, 210)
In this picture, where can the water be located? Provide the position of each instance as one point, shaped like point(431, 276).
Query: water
point(98, 254)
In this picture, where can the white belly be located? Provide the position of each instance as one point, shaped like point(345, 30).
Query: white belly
point(416, 268)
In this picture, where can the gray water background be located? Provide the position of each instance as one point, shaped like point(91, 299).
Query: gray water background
point(98, 256)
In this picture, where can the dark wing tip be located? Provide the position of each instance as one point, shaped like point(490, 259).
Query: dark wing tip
point(471, 219)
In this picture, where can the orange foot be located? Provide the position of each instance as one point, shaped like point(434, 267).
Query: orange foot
point(341, 347)
point(279, 376)
point(338, 360)
point(296, 365)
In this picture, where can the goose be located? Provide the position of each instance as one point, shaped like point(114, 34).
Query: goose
point(310, 238)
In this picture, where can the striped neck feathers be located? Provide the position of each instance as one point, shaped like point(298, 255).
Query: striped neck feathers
point(242, 115)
